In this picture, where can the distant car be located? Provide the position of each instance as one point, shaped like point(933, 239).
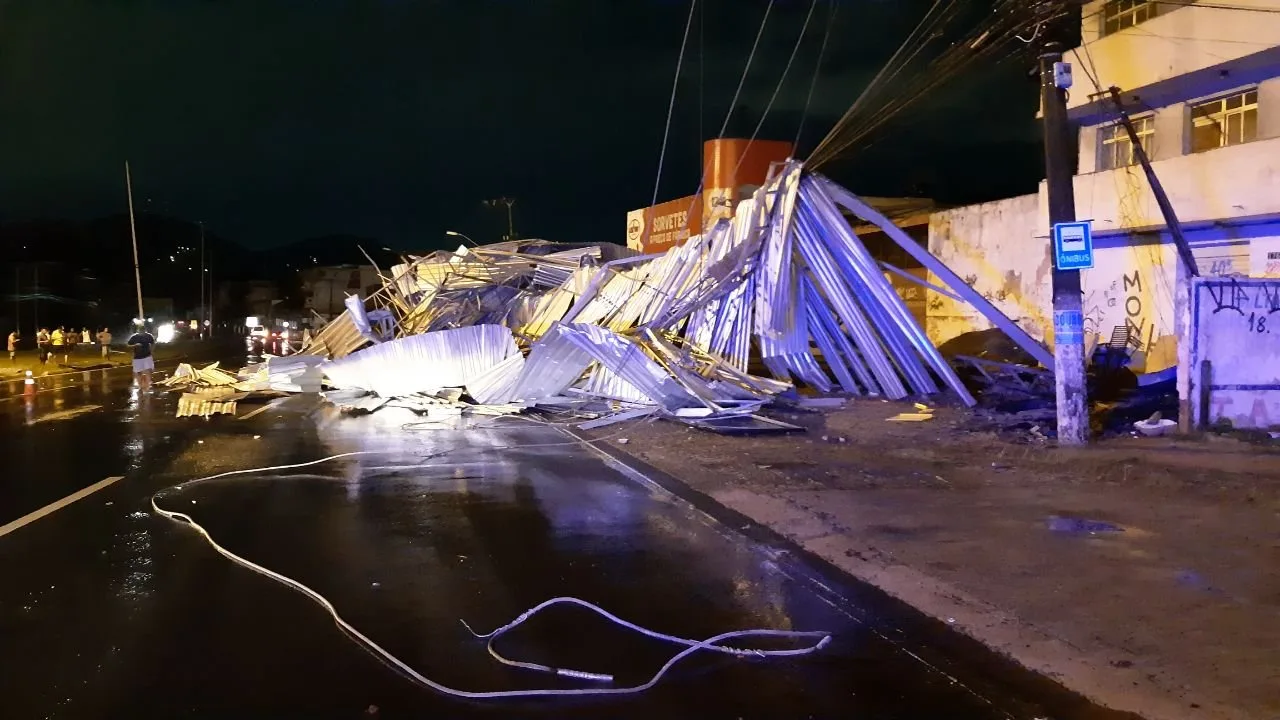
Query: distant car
point(261, 341)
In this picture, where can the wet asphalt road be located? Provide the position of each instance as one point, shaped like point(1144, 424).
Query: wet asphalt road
point(109, 611)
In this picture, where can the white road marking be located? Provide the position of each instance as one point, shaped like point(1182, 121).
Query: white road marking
point(66, 414)
point(56, 506)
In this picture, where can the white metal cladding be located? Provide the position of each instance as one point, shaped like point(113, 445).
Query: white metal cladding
point(787, 282)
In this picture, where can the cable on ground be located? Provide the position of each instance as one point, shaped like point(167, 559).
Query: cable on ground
point(820, 639)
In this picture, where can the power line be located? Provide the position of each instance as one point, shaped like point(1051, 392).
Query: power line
point(746, 69)
point(671, 106)
point(873, 86)
point(702, 73)
point(817, 69)
point(782, 79)
point(883, 99)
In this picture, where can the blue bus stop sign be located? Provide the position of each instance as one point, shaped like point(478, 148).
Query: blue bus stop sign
point(1073, 245)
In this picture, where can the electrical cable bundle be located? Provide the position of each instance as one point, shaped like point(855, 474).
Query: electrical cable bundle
point(918, 67)
point(814, 640)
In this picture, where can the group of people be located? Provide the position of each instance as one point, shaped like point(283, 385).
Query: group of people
point(60, 342)
point(64, 343)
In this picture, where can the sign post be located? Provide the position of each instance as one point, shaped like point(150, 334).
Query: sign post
point(1072, 250)
point(1073, 245)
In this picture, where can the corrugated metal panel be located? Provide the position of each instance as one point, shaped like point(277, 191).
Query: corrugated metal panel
point(424, 363)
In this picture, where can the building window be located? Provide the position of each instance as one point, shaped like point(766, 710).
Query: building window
point(1231, 120)
point(1120, 14)
point(1115, 147)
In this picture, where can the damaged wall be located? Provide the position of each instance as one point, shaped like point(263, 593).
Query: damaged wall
point(994, 248)
point(1236, 332)
point(1002, 249)
point(1230, 184)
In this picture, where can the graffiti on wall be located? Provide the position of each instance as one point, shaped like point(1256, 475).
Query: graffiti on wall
point(1255, 305)
point(1238, 333)
point(1125, 303)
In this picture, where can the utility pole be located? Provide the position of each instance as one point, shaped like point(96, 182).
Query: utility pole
point(1068, 314)
point(1187, 269)
point(210, 319)
point(204, 311)
point(511, 228)
point(133, 233)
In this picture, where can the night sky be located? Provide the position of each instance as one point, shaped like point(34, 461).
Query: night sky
point(279, 120)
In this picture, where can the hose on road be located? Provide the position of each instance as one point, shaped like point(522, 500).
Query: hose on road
point(715, 644)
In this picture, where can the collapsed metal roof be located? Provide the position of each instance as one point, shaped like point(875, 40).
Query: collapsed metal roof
point(784, 293)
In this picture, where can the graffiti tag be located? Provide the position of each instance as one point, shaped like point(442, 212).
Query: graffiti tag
point(1231, 295)
point(1134, 321)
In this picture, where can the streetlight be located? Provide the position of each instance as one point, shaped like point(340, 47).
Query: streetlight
point(508, 202)
point(455, 233)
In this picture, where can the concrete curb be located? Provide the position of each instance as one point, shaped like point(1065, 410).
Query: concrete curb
point(928, 632)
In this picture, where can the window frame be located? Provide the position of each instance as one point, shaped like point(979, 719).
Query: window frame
point(1113, 10)
point(1221, 118)
point(1118, 134)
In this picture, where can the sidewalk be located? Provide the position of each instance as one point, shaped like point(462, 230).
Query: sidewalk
point(1142, 573)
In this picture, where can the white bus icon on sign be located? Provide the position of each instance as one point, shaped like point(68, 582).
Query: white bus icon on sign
point(1073, 239)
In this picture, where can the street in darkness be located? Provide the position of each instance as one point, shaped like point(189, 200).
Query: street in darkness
point(109, 610)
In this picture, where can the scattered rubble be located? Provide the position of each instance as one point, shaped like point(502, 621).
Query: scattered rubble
point(706, 333)
point(212, 391)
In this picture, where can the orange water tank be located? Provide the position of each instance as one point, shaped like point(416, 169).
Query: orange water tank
point(734, 162)
point(734, 168)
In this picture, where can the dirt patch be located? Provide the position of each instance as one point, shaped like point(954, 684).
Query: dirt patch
point(1142, 572)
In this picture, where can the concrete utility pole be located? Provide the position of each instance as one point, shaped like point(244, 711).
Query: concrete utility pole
point(133, 233)
point(1187, 269)
point(1068, 315)
point(204, 311)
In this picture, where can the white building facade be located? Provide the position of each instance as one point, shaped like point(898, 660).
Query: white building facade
point(1202, 84)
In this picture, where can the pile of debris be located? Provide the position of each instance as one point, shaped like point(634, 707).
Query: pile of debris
point(210, 390)
point(206, 391)
point(709, 330)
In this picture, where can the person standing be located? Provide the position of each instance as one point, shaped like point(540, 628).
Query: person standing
point(42, 345)
point(59, 341)
point(73, 339)
point(104, 339)
point(143, 363)
point(13, 346)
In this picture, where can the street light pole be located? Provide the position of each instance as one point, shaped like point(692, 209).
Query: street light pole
point(455, 233)
point(203, 309)
point(1068, 314)
point(509, 202)
point(133, 233)
point(210, 306)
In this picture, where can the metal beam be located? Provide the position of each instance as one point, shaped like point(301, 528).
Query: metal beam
point(1019, 336)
